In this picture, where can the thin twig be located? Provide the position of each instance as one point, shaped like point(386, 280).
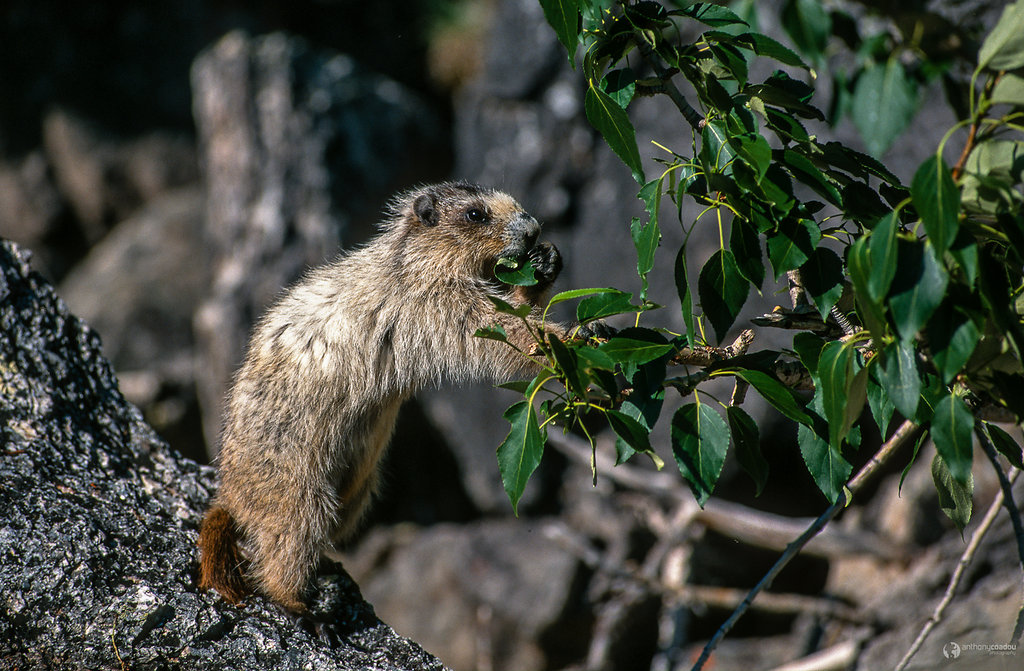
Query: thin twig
point(954, 582)
point(906, 430)
point(1011, 509)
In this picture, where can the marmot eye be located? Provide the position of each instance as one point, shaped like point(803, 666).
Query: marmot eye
point(475, 214)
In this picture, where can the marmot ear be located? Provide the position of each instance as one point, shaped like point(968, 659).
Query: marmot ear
point(425, 210)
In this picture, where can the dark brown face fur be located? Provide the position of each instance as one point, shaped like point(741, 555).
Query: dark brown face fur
point(485, 225)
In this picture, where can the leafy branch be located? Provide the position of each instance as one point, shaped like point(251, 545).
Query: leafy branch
point(907, 299)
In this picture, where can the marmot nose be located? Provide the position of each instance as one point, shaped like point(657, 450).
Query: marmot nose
point(527, 228)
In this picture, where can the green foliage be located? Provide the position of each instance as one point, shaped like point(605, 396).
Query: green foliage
point(916, 292)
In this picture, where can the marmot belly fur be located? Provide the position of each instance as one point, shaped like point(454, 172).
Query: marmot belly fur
point(313, 407)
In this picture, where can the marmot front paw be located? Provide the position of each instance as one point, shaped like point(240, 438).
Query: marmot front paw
point(547, 261)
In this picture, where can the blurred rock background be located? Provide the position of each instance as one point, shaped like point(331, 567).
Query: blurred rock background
point(173, 165)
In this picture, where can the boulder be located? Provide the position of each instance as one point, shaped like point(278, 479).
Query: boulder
point(97, 546)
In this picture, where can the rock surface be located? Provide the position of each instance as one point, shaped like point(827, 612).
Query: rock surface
point(97, 549)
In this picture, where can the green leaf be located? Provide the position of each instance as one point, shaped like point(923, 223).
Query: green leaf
point(955, 498)
point(518, 386)
point(509, 309)
point(629, 430)
point(952, 337)
point(620, 85)
point(918, 288)
point(700, 441)
point(594, 359)
point(496, 332)
point(882, 256)
point(519, 274)
point(822, 275)
point(685, 294)
point(604, 305)
point(856, 163)
point(1003, 49)
point(630, 350)
point(937, 201)
point(646, 238)
point(780, 90)
point(744, 243)
point(711, 14)
point(870, 310)
point(952, 432)
point(715, 153)
point(762, 45)
point(965, 253)
point(900, 379)
point(791, 246)
point(520, 452)
point(723, 291)
point(826, 465)
point(880, 404)
point(809, 25)
point(563, 16)
point(1009, 89)
point(774, 392)
point(884, 103)
point(1006, 445)
point(806, 172)
point(808, 347)
point(615, 127)
point(754, 150)
point(575, 379)
point(579, 293)
point(843, 389)
point(747, 439)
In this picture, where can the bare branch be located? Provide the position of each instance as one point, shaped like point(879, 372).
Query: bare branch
point(733, 520)
point(797, 293)
point(839, 656)
point(717, 597)
point(954, 581)
point(906, 430)
point(1011, 509)
point(705, 356)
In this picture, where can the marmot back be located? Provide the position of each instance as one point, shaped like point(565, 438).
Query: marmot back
point(314, 405)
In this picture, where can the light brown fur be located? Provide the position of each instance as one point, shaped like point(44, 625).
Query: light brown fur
point(313, 407)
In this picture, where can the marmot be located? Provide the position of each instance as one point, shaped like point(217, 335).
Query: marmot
point(313, 406)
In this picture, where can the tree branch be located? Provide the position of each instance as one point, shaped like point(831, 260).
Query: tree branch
point(906, 430)
point(954, 582)
point(733, 520)
point(1011, 509)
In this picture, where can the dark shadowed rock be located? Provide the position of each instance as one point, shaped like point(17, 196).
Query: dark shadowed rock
point(97, 546)
point(299, 146)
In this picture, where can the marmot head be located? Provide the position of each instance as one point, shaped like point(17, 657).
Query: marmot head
point(472, 226)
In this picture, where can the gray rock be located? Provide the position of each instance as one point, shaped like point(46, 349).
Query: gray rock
point(30, 205)
point(138, 287)
point(106, 178)
point(500, 594)
point(98, 539)
point(300, 147)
